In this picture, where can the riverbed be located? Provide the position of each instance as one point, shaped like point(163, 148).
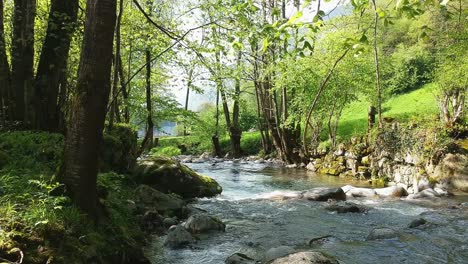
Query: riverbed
point(253, 220)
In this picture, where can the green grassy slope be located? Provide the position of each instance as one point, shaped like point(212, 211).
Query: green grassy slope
point(418, 103)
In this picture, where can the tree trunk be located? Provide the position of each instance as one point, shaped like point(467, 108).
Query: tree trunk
point(53, 63)
point(189, 84)
point(4, 71)
point(123, 85)
point(377, 67)
point(234, 131)
point(89, 106)
point(149, 136)
point(22, 58)
point(114, 103)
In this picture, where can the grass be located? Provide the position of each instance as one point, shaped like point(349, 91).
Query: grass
point(402, 107)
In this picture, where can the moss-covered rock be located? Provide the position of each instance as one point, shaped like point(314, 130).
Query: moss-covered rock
point(169, 176)
point(119, 150)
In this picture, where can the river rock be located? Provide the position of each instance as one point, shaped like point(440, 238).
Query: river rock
point(428, 193)
point(323, 194)
point(147, 197)
point(170, 221)
point(202, 223)
point(319, 241)
point(278, 252)
point(311, 167)
point(346, 207)
point(361, 192)
point(152, 221)
point(178, 237)
point(239, 258)
point(392, 191)
point(169, 176)
point(382, 233)
point(306, 257)
point(417, 222)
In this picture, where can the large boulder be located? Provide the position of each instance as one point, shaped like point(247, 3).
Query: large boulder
point(202, 223)
point(324, 194)
point(119, 150)
point(361, 192)
point(150, 198)
point(178, 237)
point(170, 176)
point(306, 257)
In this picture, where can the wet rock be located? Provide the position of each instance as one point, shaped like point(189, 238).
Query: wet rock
point(442, 191)
point(323, 194)
point(178, 237)
point(306, 257)
point(382, 233)
point(392, 191)
point(152, 221)
point(249, 253)
point(202, 223)
point(291, 166)
point(361, 192)
point(311, 167)
point(346, 207)
point(347, 188)
point(169, 176)
point(282, 195)
point(417, 222)
point(319, 241)
point(428, 193)
point(278, 252)
point(239, 258)
point(168, 222)
point(147, 197)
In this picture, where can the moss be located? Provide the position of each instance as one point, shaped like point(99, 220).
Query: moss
point(119, 152)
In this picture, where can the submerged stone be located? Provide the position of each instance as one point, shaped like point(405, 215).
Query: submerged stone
point(323, 194)
point(306, 257)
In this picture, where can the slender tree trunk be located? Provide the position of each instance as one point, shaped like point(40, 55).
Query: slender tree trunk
point(235, 131)
point(215, 137)
point(4, 70)
point(53, 63)
point(377, 66)
point(22, 58)
point(149, 136)
point(189, 84)
point(115, 102)
point(126, 111)
point(89, 105)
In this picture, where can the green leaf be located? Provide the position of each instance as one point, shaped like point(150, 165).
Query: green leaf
point(266, 43)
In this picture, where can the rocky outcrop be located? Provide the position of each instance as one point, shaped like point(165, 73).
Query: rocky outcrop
point(170, 176)
point(306, 257)
point(202, 223)
point(392, 191)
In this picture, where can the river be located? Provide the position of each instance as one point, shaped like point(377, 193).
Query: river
point(268, 223)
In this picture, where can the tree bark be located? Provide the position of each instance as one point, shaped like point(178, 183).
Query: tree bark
point(4, 70)
point(53, 63)
point(149, 135)
point(377, 67)
point(234, 131)
point(114, 103)
point(22, 58)
point(79, 172)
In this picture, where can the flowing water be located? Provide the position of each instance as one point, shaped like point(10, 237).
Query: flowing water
point(269, 223)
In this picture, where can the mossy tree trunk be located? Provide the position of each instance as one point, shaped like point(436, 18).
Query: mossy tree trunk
point(88, 108)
